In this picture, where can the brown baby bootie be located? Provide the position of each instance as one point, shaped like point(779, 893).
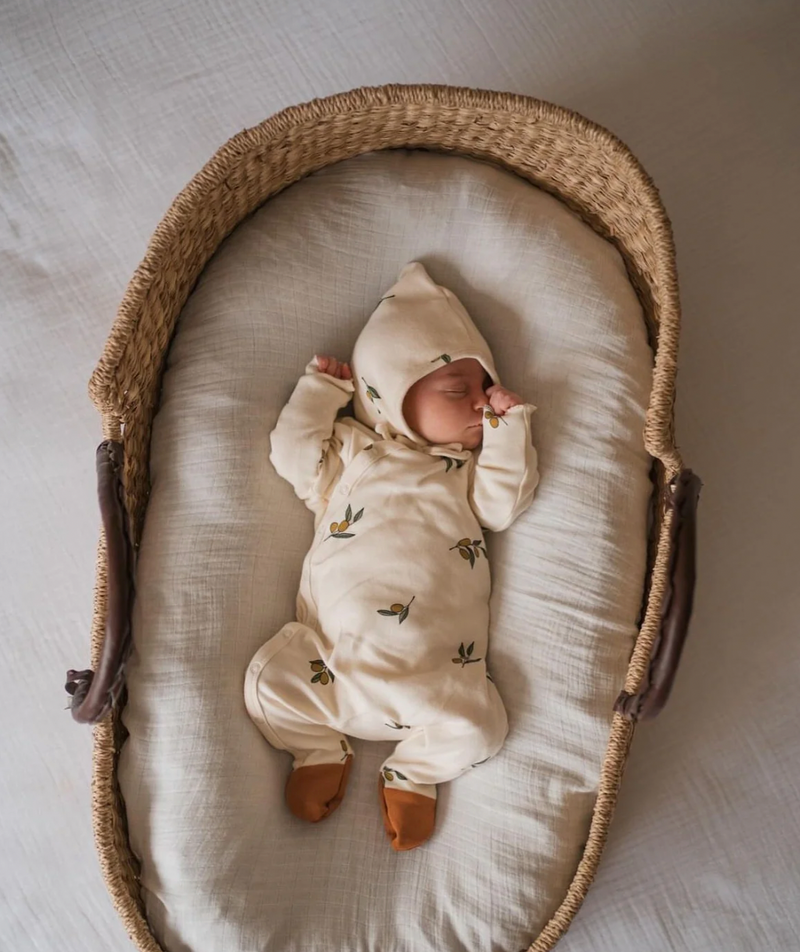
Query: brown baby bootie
point(314, 792)
point(409, 818)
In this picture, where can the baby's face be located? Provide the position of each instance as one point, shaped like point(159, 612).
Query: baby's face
point(446, 406)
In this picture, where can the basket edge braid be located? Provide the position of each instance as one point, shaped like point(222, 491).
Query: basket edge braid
point(580, 162)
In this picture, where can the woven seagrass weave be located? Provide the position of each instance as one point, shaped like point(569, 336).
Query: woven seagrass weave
point(559, 151)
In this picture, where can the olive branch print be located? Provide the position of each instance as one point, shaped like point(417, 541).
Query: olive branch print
point(469, 550)
point(398, 610)
point(338, 530)
point(465, 655)
point(322, 674)
point(372, 395)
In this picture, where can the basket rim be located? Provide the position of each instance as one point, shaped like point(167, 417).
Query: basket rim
point(363, 100)
point(108, 812)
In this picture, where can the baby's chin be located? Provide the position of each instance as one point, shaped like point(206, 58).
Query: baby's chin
point(473, 438)
point(470, 438)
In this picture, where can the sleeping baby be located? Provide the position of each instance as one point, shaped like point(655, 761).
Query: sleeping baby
point(392, 622)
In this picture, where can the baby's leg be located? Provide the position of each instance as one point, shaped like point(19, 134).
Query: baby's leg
point(292, 698)
point(431, 755)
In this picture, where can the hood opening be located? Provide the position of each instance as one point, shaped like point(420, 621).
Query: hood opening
point(416, 328)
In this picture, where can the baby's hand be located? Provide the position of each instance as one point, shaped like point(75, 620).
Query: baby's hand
point(501, 399)
point(334, 368)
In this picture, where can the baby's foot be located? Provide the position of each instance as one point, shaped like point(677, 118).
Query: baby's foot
point(314, 792)
point(408, 817)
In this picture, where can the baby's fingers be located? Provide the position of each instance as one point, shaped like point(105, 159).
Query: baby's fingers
point(329, 366)
point(497, 400)
point(333, 368)
point(502, 400)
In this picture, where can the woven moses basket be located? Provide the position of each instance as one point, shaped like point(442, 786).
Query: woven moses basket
point(560, 152)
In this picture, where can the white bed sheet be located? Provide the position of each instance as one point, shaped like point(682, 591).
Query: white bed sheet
point(107, 109)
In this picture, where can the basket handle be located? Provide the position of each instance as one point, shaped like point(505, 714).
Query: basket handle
point(93, 694)
point(682, 495)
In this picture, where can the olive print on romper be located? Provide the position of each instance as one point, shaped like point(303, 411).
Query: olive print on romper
point(397, 610)
point(465, 655)
point(493, 418)
point(322, 675)
point(372, 395)
point(469, 550)
point(445, 357)
point(449, 463)
point(339, 529)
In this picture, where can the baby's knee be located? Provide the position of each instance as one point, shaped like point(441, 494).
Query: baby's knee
point(281, 674)
point(487, 738)
point(495, 737)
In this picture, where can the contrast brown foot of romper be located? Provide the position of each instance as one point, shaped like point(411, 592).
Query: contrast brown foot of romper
point(314, 792)
point(409, 818)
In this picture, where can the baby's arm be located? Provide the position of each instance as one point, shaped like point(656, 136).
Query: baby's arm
point(303, 436)
point(506, 471)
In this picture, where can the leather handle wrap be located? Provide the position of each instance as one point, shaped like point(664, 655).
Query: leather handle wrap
point(93, 694)
point(682, 496)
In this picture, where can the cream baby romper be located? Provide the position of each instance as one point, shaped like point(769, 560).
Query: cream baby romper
point(392, 622)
